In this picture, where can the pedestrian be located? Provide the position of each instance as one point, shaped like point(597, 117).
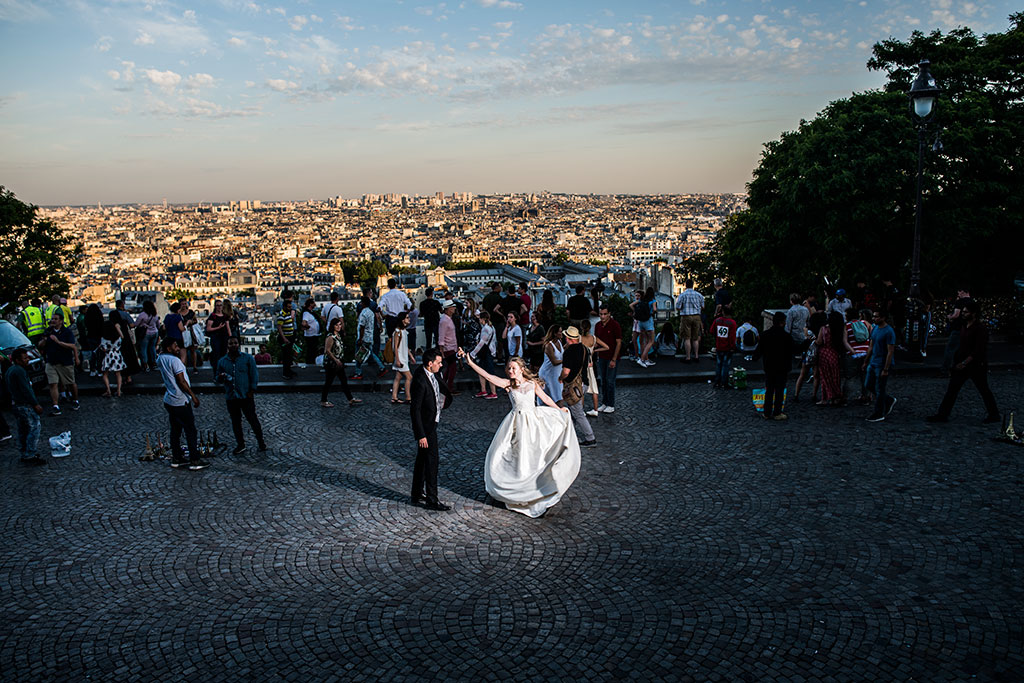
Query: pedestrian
point(61, 357)
point(546, 309)
point(174, 326)
point(120, 317)
point(334, 363)
point(483, 354)
point(534, 342)
point(403, 362)
point(956, 326)
point(365, 327)
point(971, 363)
point(513, 336)
point(832, 349)
point(286, 329)
point(448, 343)
point(113, 361)
point(747, 338)
point(492, 304)
point(193, 354)
point(393, 302)
point(333, 310)
point(776, 351)
point(690, 304)
point(796, 323)
point(26, 407)
point(263, 356)
point(31, 320)
point(149, 322)
point(858, 335)
point(594, 345)
point(93, 336)
point(724, 330)
point(234, 324)
point(430, 311)
point(809, 363)
point(237, 373)
point(469, 329)
point(665, 344)
point(551, 366)
point(524, 312)
point(310, 331)
point(723, 297)
point(426, 406)
point(877, 365)
point(839, 304)
point(178, 401)
point(217, 331)
point(577, 308)
point(610, 332)
point(643, 313)
point(575, 362)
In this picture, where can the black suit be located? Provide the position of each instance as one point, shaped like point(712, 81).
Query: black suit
point(424, 425)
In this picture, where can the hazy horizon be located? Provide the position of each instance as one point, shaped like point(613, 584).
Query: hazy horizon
point(124, 101)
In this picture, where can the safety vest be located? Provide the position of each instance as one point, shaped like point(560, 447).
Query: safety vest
point(33, 321)
point(64, 311)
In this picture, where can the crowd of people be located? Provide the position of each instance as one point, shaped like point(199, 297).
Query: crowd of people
point(848, 340)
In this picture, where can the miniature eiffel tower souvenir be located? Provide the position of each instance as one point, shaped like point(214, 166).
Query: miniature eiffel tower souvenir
point(148, 455)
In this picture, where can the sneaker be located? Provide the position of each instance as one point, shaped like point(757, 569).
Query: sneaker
point(178, 464)
point(55, 411)
point(5, 438)
point(876, 417)
point(480, 394)
point(641, 363)
point(780, 417)
point(238, 450)
point(75, 405)
point(588, 444)
point(649, 363)
point(591, 413)
point(609, 409)
point(601, 408)
point(892, 404)
point(382, 373)
point(194, 465)
point(358, 376)
point(490, 397)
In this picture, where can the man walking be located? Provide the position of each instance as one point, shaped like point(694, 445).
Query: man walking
point(61, 359)
point(608, 331)
point(426, 414)
point(448, 344)
point(364, 340)
point(430, 311)
point(26, 407)
point(971, 364)
point(776, 350)
point(690, 303)
point(393, 302)
point(877, 365)
point(575, 360)
point(956, 326)
point(310, 331)
point(237, 373)
point(286, 329)
point(178, 401)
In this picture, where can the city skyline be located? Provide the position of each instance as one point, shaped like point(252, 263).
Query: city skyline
point(133, 102)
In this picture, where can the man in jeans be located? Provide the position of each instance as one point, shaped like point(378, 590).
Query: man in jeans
point(238, 374)
point(608, 331)
point(365, 333)
point(178, 400)
point(574, 363)
point(286, 328)
point(971, 364)
point(26, 408)
point(877, 365)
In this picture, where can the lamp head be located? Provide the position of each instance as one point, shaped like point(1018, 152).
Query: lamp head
point(924, 91)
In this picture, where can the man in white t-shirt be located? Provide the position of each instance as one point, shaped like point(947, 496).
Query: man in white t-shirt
point(333, 310)
point(178, 400)
point(310, 331)
point(393, 302)
point(747, 337)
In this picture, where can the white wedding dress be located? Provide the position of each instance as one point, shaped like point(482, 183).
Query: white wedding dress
point(534, 456)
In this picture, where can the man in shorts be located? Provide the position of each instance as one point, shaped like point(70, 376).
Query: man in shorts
point(61, 355)
point(690, 304)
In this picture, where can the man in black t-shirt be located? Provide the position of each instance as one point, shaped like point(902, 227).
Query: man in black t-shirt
point(956, 326)
point(578, 307)
point(575, 360)
point(430, 311)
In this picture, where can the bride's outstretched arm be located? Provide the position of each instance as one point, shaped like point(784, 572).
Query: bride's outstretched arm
point(499, 382)
point(546, 400)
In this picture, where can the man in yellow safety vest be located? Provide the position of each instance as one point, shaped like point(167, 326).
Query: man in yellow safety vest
point(31, 320)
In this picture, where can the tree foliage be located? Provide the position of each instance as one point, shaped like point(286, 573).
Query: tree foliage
point(35, 252)
point(836, 196)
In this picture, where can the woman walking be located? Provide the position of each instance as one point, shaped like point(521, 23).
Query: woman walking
point(832, 347)
point(112, 361)
point(551, 368)
point(403, 362)
point(334, 365)
point(483, 353)
point(596, 346)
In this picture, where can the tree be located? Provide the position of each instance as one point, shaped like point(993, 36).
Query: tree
point(178, 294)
point(836, 196)
point(35, 255)
point(367, 272)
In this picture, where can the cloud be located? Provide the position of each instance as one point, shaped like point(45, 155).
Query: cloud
point(604, 32)
point(297, 22)
point(22, 11)
point(197, 81)
point(281, 85)
point(104, 43)
point(144, 39)
point(235, 41)
point(500, 4)
point(172, 33)
point(166, 80)
point(189, 15)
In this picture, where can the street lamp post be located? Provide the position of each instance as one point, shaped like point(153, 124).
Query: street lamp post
point(923, 94)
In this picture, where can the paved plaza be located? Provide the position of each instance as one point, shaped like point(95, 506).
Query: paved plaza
point(698, 543)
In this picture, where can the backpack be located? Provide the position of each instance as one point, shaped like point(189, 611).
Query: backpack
point(642, 311)
point(750, 339)
point(860, 331)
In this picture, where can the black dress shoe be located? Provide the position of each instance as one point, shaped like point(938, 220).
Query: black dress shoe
point(437, 505)
point(417, 502)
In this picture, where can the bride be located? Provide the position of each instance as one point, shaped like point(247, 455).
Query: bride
point(534, 456)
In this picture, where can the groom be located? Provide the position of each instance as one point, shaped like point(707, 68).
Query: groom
point(426, 413)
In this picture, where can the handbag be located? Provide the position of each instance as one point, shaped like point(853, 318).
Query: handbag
point(572, 393)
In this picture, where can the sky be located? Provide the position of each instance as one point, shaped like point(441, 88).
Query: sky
point(121, 101)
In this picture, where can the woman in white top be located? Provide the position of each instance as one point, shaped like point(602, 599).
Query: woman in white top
point(403, 364)
point(483, 353)
point(513, 336)
point(534, 456)
point(551, 368)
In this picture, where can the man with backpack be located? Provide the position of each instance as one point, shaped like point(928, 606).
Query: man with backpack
point(747, 337)
point(858, 334)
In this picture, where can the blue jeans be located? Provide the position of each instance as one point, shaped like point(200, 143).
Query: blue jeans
point(370, 356)
point(606, 378)
point(147, 351)
point(875, 381)
point(28, 431)
point(723, 363)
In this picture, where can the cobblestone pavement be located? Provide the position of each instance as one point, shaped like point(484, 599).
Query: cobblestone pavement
point(698, 543)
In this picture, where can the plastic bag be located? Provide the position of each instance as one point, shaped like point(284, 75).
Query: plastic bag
point(60, 445)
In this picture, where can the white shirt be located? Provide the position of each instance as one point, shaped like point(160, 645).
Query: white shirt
point(739, 337)
point(333, 311)
point(515, 333)
point(314, 325)
point(365, 331)
point(437, 394)
point(393, 302)
point(171, 366)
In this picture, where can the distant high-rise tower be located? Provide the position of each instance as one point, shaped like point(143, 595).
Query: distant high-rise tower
point(440, 197)
point(165, 202)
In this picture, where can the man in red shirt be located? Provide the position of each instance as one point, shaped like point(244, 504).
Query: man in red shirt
point(724, 329)
point(524, 310)
point(608, 331)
